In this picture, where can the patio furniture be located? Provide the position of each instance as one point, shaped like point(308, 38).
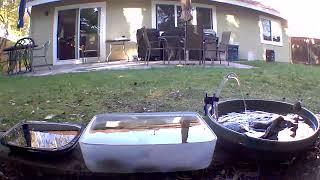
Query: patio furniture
point(211, 46)
point(223, 46)
point(153, 35)
point(42, 52)
point(233, 52)
point(117, 42)
point(21, 52)
point(173, 47)
point(194, 41)
point(89, 49)
point(174, 39)
point(152, 45)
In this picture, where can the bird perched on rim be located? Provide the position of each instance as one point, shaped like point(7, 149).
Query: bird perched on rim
point(297, 107)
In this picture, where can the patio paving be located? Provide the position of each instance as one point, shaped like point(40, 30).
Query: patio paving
point(122, 65)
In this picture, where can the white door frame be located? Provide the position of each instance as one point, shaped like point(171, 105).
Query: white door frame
point(102, 32)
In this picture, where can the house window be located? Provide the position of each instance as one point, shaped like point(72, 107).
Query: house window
point(169, 15)
point(271, 32)
point(165, 16)
point(180, 22)
point(204, 17)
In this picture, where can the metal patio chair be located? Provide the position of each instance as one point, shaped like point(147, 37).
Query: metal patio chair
point(87, 49)
point(42, 52)
point(223, 45)
point(152, 45)
point(194, 41)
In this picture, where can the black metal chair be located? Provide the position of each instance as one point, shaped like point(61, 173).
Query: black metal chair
point(173, 39)
point(152, 45)
point(42, 52)
point(194, 41)
point(22, 52)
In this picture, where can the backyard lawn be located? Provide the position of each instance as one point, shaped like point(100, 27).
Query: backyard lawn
point(78, 97)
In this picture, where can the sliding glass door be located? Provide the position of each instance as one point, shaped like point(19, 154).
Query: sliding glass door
point(67, 34)
point(78, 33)
point(89, 32)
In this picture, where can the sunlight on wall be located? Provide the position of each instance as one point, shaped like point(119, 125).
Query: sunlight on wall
point(233, 26)
point(233, 38)
point(132, 51)
point(134, 18)
point(264, 55)
point(232, 20)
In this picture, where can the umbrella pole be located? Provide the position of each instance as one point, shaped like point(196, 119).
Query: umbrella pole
point(185, 43)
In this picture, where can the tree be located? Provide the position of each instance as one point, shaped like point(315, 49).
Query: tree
point(9, 17)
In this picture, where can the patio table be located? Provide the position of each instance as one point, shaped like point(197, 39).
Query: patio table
point(12, 48)
point(172, 43)
point(14, 57)
point(117, 42)
point(181, 39)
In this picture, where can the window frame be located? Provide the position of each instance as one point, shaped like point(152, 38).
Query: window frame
point(272, 21)
point(176, 4)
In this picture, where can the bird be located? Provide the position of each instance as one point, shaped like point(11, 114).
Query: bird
point(297, 107)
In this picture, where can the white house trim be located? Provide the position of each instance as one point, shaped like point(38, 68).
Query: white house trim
point(177, 3)
point(38, 2)
point(102, 32)
point(233, 2)
point(251, 6)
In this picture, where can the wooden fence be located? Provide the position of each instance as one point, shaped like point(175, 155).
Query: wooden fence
point(305, 50)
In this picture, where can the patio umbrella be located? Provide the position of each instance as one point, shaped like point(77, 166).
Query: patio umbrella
point(186, 13)
point(22, 7)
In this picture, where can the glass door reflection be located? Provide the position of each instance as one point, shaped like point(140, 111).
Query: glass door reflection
point(67, 34)
point(89, 32)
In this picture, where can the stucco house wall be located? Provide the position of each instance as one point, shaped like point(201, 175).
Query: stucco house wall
point(244, 25)
point(124, 17)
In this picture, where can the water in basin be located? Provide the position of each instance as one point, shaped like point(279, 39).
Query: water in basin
point(27, 137)
point(255, 124)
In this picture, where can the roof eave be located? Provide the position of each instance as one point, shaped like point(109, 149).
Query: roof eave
point(251, 6)
point(232, 2)
point(38, 2)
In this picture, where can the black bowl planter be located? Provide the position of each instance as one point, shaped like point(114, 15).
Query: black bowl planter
point(58, 137)
point(240, 145)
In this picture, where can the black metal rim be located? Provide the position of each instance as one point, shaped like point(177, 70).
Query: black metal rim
point(243, 139)
point(61, 149)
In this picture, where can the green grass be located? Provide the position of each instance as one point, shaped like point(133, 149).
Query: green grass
point(78, 97)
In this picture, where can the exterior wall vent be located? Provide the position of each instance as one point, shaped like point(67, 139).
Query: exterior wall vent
point(270, 55)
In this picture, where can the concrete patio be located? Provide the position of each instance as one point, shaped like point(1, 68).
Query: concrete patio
point(122, 65)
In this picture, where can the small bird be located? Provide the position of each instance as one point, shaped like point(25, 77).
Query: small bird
point(297, 107)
